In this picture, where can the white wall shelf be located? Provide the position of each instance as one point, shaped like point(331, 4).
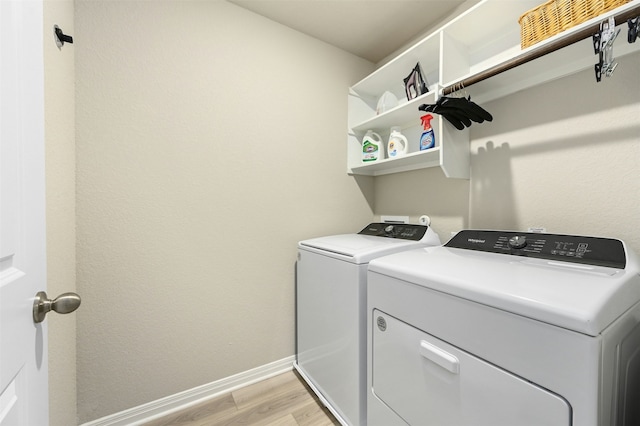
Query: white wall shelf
point(483, 37)
point(452, 156)
point(411, 161)
point(390, 76)
point(397, 116)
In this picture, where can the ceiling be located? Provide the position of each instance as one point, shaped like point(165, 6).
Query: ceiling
point(371, 29)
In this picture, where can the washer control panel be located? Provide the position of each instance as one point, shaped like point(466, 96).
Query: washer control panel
point(402, 231)
point(568, 248)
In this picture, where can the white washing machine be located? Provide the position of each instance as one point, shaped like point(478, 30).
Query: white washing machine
point(331, 310)
point(502, 328)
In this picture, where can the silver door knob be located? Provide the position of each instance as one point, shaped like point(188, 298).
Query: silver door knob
point(63, 304)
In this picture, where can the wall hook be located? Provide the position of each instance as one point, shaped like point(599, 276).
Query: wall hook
point(603, 46)
point(61, 37)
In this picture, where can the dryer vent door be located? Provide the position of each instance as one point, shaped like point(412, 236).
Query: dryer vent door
point(426, 381)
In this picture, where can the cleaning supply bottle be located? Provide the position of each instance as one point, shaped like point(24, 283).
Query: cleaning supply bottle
point(371, 147)
point(398, 144)
point(428, 139)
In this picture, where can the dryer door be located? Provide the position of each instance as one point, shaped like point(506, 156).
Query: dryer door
point(426, 381)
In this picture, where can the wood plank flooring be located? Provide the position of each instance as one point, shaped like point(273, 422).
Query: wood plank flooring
point(283, 400)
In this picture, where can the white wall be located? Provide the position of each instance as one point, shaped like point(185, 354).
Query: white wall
point(209, 141)
point(426, 191)
point(207, 136)
point(60, 192)
point(564, 156)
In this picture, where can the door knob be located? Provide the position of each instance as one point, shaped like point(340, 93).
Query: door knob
point(63, 304)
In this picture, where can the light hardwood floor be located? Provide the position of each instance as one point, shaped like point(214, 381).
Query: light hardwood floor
point(283, 400)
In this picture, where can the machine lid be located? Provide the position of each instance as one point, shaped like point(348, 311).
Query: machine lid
point(373, 241)
point(581, 297)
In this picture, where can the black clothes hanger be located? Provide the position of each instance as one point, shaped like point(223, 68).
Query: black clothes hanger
point(470, 108)
point(460, 112)
point(463, 107)
point(454, 116)
point(454, 119)
point(483, 112)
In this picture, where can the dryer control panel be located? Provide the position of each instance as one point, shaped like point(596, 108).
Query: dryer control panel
point(403, 231)
point(568, 248)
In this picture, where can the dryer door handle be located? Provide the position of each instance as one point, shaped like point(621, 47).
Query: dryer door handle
point(443, 358)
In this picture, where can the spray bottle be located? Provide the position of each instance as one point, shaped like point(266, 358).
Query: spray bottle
point(428, 139)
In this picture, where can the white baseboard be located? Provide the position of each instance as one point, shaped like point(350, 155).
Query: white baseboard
point(167, 405)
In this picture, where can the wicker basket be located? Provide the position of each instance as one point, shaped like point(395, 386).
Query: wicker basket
point(555, 16)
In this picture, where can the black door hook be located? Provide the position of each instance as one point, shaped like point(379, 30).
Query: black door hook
point(61, 37)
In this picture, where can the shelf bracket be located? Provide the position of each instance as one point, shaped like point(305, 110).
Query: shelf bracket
point(603, 47)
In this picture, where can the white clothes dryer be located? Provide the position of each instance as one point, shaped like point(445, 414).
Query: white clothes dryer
point(503, 328)
point(331, 282)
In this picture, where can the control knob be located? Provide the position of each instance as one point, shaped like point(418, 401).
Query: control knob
point(388, 229)
point(517, 241)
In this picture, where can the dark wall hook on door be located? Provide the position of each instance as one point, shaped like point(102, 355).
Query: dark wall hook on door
point(60, 37)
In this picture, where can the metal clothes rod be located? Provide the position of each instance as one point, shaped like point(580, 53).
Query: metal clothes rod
point(537, 53)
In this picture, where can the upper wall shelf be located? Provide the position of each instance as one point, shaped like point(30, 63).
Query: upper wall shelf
point(485, 37)
point(563, 54)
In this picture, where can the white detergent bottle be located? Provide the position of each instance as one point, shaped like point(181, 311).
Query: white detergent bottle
point(372, 147)
point(398, 144)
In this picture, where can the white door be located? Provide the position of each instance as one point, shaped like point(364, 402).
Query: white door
point(23, 343)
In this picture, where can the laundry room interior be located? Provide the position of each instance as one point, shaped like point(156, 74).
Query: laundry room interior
point(190, 145)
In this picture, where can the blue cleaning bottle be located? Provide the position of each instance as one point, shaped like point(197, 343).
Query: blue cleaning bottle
point(428, 139)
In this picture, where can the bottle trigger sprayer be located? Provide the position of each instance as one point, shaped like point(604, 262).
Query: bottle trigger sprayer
point(428, 139)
